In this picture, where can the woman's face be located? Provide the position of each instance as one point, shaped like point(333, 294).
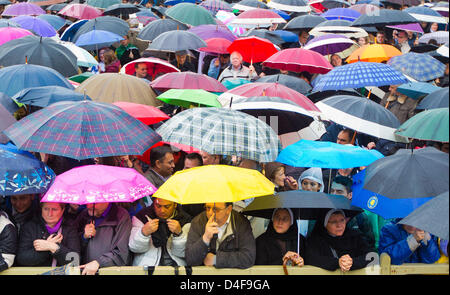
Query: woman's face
point(101, 55)
point(434, 27)
point(279, 177)
point(310, 185)
point(362, 41)
point(51, 213)
point(336, 225)
point(281, 221)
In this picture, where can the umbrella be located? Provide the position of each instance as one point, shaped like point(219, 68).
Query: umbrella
point(81, 77)
point(82, 130)
point(70, 31)
point(39, 26)
point(285, 115)
point(102, 3)
point(441, 7)
point(384, 17)
point(360, 74)
point(338, 26)
point(253, 49)
point(216, 45)
point(56, 7)
point(213, 31)
point(17, 77)
point(431, 217)
point(402, 2)
point(430, 125)
point(316, 96)
point(265, 34)
point(154, 66)
point(225, 18)
point(80, 11)
point(189, 97)
point(330, 4)
point(174, 41)
point(323, 154)
point(365, 8)
point(21, 173)
point(187, 80)
point(436, 99)
point(8, 23)
point(290, 5)
point(329, 44)
point(39, 51)
point(392, 176)
point(298, 60)
point(443, 50)
point(112, 87)
point(120, 9)
point(420, 67)
point(55, 21)
point(84, 58)
point(22, 8)
point(146, 114)
point(216, 5)
point(257, 17)
point(105, 23)
point(6, 120)
point(10, 33)
point(175, 2)
point(98, 184)
point(157, 27)
point(222, 132)
point(441, 37)
point(95, 39)
point(45, 2)
point(423, 48)
point(147, 13)
point(361, 114)
point(233, 83)
point(341, 13)
point(373, 53)
point(425, 14)
point(231, 184)
point(190, 14)
point(416, 90)
point(44, 96)
point(304, 22)
point(287, 36)
point(9, 104)
point(292, 82)
point(245, 5)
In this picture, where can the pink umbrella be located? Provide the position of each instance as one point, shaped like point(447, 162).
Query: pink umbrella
point(187, 80)
point(80, 11)
point(98, 184)
point(10, 33)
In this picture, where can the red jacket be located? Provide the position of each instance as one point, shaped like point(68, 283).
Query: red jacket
point(112, 68)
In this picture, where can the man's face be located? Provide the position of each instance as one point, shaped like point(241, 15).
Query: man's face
point(141, 71)
point(236, 60)
point(380, 38)
point(21, 203)
point(96, 209)
point(125, 41)
point(163, 208)
point(208, 159)
point(336, 225)
point(220, 209)
point(303, 37)
point(166, 165)
point(402, 37)
point(343, 138)
point(191, 163)
point(339, 189)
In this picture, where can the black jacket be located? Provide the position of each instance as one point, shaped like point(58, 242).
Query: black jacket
point(8, 241)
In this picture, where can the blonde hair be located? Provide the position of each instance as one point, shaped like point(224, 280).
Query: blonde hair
point(109, 56)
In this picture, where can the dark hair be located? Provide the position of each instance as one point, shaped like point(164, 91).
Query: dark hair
point(158, 153)
point(195, 156)
point(349, 132)
point(136, 65)
point(345, 181)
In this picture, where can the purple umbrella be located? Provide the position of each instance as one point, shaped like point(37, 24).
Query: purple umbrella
point(39, 26)
point(329, 44)
point(341, 13)
point(213, 31)
point(415, 27)
point(23, 8)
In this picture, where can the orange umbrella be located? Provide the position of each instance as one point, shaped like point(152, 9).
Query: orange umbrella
point(373, 53)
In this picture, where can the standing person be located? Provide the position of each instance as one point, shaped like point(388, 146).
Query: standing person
point(401, 42)
point(336, 60)
point(22, 209)
point(8, 241)
point(182, 63)
point(112, 64)
point(218, 64)
point(381, 38)
point(193, 160)
point(47, 240)
point(126, 51)
point(237, 70)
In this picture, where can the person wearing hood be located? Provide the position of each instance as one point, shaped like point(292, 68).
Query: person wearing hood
point(275, 172)
point(280, 241)
point(333, 246)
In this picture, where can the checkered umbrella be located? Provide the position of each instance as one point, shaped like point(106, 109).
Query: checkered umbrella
point(82, 130)
point(223, 132)
point(421, 67)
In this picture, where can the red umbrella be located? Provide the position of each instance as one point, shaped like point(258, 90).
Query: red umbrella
point(154, 66)
point(299, 60)
point(253, 49)
point(257, 17)
point(216, 45)
point(273, 89)
point(144, 113)
point(80, 11)
point(187, 80)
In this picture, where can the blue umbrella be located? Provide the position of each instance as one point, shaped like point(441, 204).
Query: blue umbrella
point(437, 99)
point(416, 90)
point(147, 12)
point(281, 13)
point(55, 21)
point(287, 36)
point(175, 2)
point(71, 30)
point(8, 103)
point(378, 204)
point(232, 83)
point(105, 23)
point(421, 67)
point(324, 154)
point(341, 13)
point(425, 14)
point(95, 39)
point(46, 95)
point(21, 173)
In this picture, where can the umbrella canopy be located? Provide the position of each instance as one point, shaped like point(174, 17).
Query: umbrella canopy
point(436, 99)
point(216, 45)
point(6, 120)
point(441, 37)
point(338, 26)
point(44, 96)
point(21, 173)
point(10, 33)
point(365, 8)
point(253, 49)
point(392, 176)
point(216, 5)
point(45, 2)
point(416, 90)
point(105, 23)
point(330, 4)
point(427, 125)
point(420, 67)
point(290, 5)
point(362, 115)
point(425, 14)
point(233, 83)
point(154, 66)
point(174, 41)
point(443, 50)
point(39, 26)
point(190, 14)
point(265, 34)
point(226, 17)
point(231, 184)
point(98, 184)
point(292, 82)
point(304, 22)
point(146, 114)
point(213, 31)
point(360, 74)
point(56, 7)
point(187, 80)
point(374, 53)
point(8, 23)
point(39, 51)
point(323, 154)
point(441, 7)
point(157, 27)
point(384, 17)
point(120, 9)
point(298, 60)
point(329, 44)
point(84, 58)
point(223, 132)
point(257, 17)
point(55, 21)
point(245, 5)
point(80, 11)
point(102, 3)
point(431, 217)
point(112, 87)
point(23, 8)
point(189, 98)
point(18, 77)
point(9, 104)
point(287, 36)
point(70, 31)
point(96, 39)
point(341, 13)
point(82, 130)
point(81, 77)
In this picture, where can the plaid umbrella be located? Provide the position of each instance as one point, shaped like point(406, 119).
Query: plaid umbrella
point(223, 132)
point(216, 5)
point(421, 67)
point(82, 130)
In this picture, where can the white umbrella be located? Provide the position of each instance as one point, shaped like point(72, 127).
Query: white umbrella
point(84, 58)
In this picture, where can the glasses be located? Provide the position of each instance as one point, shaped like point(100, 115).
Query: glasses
point(214, 209)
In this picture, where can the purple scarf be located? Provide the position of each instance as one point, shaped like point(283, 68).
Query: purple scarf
point(53, 230)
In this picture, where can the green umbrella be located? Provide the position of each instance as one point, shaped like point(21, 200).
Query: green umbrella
point(427, 125)
point(81, 77)
point(191, 14)
point(190, 97)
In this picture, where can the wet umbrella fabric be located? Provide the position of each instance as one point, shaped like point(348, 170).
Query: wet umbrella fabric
point(437, 99)
point(420, 67)
point(6, 120)
point(23, 9)
point(46, 95)
point(292, 82)
point(96, 39)
point(106, 23)
point(157, 27)
point(37, 25)
point(8, 103)
point(174, 41)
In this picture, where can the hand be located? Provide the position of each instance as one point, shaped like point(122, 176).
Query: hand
point(57, 239)
point(252, 69)
point(150, 227)
point(371, 145)
point(292, 183)
point(174, 226)
point(217, 62)
point(209, 259)
point(89, 230)
point(296, 259)
point(211, 228)
point(345, 262)
point(90, 268)
point(419, 235)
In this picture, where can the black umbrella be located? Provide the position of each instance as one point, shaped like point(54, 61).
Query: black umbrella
point(8, 103)
point(174, 41)
point(266, 34)
point(304, 22)
point(105, 23)
point(317, 96)
point(384, 17)
point(159, 26)
point(421, 48)
point(434, 100)
point(39, 51)
point(121, 9)
point(292, 82)
point(409, 174)
point(443, 59)
point(6, 120)
point(159, 10)
point(402, 2)
point(431, 217)
point(248, 4)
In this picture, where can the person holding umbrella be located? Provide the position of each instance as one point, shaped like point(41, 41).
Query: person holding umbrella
point(218, 64)
point(237, 69)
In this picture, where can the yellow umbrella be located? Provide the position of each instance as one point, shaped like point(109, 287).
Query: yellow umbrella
point(214, 184)
point(373, 53)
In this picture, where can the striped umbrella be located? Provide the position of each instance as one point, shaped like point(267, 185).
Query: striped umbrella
point(425, 14)
point(440, 36)
point(223, 132)
point(82, 130)
point(329, 44)
point(421, 67)
point(290, 5)
point(338, 26)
